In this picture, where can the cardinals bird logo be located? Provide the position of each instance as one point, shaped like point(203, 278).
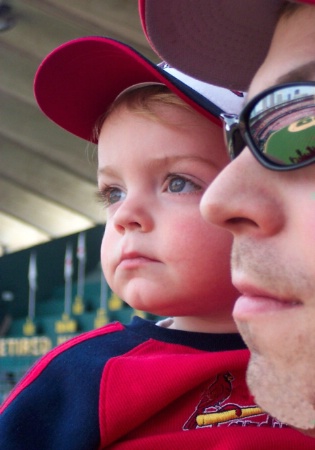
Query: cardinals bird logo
point(213, 408)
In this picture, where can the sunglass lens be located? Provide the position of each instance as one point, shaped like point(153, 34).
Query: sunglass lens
point(282, 125)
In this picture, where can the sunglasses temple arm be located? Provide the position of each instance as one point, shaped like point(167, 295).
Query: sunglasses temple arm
point(233, 139)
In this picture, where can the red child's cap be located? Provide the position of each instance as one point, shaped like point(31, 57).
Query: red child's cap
point(77, 82)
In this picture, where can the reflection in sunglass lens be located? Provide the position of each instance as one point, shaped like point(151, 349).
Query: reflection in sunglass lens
point(282, 125)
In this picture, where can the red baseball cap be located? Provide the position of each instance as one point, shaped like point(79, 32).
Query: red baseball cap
point(222, 42)
point(77, 82)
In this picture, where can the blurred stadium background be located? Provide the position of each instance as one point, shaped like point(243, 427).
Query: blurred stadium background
point(48, 211)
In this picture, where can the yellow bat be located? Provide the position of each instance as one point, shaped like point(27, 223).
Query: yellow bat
point(225, 416)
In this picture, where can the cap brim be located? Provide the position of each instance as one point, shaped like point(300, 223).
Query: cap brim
point(77, 82)
point(221, 42)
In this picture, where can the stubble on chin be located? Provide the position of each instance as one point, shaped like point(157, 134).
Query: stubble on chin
point(284, 388)
point(281, 371)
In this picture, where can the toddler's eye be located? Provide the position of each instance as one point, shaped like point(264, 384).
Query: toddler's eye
point(115, 195)
point(110, 195)
point(179, 184)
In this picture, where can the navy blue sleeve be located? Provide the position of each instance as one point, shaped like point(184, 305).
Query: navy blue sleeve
point(59, 408)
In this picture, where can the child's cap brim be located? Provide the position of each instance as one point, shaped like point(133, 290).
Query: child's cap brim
point(77, 82)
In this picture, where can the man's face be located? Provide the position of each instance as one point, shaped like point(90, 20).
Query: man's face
point(272, 217)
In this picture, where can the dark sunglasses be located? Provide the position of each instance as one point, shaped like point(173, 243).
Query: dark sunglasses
point(278, 126)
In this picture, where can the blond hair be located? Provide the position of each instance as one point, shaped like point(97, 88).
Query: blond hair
point(142, 99)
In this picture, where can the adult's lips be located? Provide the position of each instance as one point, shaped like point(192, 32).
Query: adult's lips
point(255, 301)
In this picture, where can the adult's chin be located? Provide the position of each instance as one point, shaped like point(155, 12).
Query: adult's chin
point(310, 432)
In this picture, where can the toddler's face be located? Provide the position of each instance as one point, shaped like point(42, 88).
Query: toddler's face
point(158, 254)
